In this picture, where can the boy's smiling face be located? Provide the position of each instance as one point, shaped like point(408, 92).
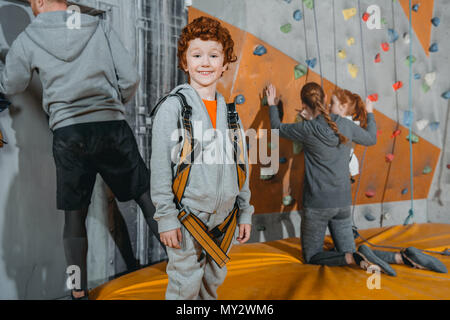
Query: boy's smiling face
point(204, 62)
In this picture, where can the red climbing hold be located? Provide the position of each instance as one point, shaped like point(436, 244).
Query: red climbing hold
point(365, 16)
point(378, 58)
point(397, 85)
point(396, 133)
point(370, 194)
point(448, 166)
point(379, 132)
point(389, 157)
point(373, 97)
point(385, 46)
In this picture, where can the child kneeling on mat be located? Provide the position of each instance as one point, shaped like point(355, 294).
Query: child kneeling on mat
point(200, 204)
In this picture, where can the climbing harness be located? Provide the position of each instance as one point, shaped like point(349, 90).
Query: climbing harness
point(206, 238)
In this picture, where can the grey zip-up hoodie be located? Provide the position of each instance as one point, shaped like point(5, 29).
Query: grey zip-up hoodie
point(76, 67)
point(211, 187)
point(327, 176)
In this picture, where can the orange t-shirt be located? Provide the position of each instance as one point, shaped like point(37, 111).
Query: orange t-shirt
point(211, 107)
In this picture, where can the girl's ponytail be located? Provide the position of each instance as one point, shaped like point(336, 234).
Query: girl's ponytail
point(360, 113)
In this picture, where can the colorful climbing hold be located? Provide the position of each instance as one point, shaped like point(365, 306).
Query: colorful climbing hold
point(446, 95)
point(365, 16)
point(299, 71)
point(405, 191)
point(283, 160)
point(406, 38)
point(309, 3)
point(286, 28)
point(348, 13)
point(430, 78)
point(422, 124)
point(417, 76)
point(425, 87)
point(397, 85)
point(311, 62)
point(369, 216)
point(385, 46)
point(436, 21)
point(415, 7)
point(240, 99)
point(287, 200)
point(373, 97)
point(378, 58)
point(434, 48)
point(413, 138)
point(408, 118)
point(370, 193)
point(392, 35)
point(350, 41)
point(353, 70)
point(342, 54)
point(383, 21)
point(379, 132)
point(410, 60)
point(260, 50)
point(434, 125)
point(389, 157)
point(396, 133)
point(448, 166)
point(427, 170)
point(298, 15)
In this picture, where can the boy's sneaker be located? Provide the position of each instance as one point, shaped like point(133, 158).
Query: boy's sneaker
point(368, 258)
point(415, 258)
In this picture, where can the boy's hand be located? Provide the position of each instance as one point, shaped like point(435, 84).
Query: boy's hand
point(244, 233)
point(271, 94)
point(171, 238)
point(369, 105)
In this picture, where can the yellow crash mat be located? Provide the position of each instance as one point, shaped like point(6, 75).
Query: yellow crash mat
point(275, 271)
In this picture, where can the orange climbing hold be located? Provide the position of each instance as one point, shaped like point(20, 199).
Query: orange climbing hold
point(389, 157)
point(365, 16)
point(385, 46)
point(397, 85)
point(373, 97)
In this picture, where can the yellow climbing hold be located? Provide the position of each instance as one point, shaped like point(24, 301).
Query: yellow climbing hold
point(353, 70)
point(351, 41)
point(348, 13)
point(342, 54)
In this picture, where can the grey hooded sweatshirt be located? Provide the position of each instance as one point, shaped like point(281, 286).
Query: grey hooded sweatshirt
point(212, 185)
point(327, 176)
point(76, 67)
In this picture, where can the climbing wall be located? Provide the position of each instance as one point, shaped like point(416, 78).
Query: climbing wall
point(289, 43)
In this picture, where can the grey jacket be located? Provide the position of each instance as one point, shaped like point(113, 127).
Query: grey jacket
point(327, 176)
point(211, 187)
point(76, 67)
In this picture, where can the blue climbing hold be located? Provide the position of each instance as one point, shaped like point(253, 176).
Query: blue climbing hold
point(417, 76)
point(297, 15)
point(436, 21)
point(434, 125)
point(311, 62)
point(405, 191)
point(369, 216)
point(240, 99)
point(408, 118)
point(415, 7)
point(283, 160)
point(446, 95)
point(434, 48)
point(392, 35)
point(260, 50)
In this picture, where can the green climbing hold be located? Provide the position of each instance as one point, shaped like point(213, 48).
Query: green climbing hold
point(309, 3)
point(413, 138)
point(299, 71)
point(287, 200)
point(383, 21)
point(410, 60)
point(286, 28)
point(427, 170)
point(425, 87)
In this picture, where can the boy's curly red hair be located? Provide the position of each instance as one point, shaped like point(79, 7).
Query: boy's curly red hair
point(206, 29)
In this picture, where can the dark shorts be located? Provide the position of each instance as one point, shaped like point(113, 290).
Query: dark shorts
point(108, 148)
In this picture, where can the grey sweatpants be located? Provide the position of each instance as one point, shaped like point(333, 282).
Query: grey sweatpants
point(190, 279)
point(314, 224)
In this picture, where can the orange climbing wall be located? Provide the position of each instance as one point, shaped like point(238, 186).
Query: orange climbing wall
point(250, 74)
point(421, 20)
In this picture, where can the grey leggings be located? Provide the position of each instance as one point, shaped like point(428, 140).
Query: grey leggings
point(314, 224)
